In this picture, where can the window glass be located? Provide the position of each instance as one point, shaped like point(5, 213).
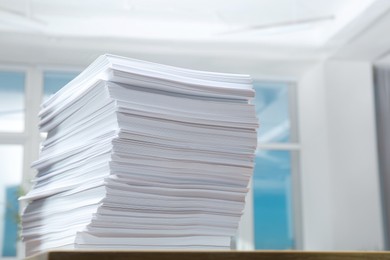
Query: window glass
point(11, 161)
point(11, 101)
point(272, 200)
point(273, 109)
point(55, 80)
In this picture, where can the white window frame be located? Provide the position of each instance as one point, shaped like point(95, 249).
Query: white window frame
point(30, 139)
point(245, 237)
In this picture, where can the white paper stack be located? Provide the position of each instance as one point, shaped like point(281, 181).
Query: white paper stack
point(142, 156)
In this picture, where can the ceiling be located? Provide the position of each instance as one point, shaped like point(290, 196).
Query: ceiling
point(272, 36)
point(282, 22)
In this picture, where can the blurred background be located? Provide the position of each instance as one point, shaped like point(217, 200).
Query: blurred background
point(322, 78)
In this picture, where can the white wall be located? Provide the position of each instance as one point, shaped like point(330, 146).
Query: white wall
point(357, 215)
point(339, 172)
point(315, 181)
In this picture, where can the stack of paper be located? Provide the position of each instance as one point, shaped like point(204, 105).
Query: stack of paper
point(140, 155)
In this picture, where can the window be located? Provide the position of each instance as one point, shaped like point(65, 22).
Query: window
point(11, 157)
point(274, 107)
point(11, 101)
point(54, 81)
point(19, 142)
point(275, 204)
point(275, 177)
point(12, 137)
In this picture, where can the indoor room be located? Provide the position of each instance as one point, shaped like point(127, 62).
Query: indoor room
point(320, 71)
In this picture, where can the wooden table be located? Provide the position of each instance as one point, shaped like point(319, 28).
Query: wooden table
point(208, 255)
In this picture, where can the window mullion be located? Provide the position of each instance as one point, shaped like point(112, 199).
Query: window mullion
point(278, 146)
point(34, 89)
point(12, 138)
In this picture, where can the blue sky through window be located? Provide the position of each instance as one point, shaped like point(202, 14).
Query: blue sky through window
point(272, 108)
point(272, 200)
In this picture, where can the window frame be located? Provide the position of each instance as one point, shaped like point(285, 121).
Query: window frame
point(19, 138)
point(245, 238)
point(30, 140)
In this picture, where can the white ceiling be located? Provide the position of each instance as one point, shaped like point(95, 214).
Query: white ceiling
point(270, 37)
point(282, 22)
